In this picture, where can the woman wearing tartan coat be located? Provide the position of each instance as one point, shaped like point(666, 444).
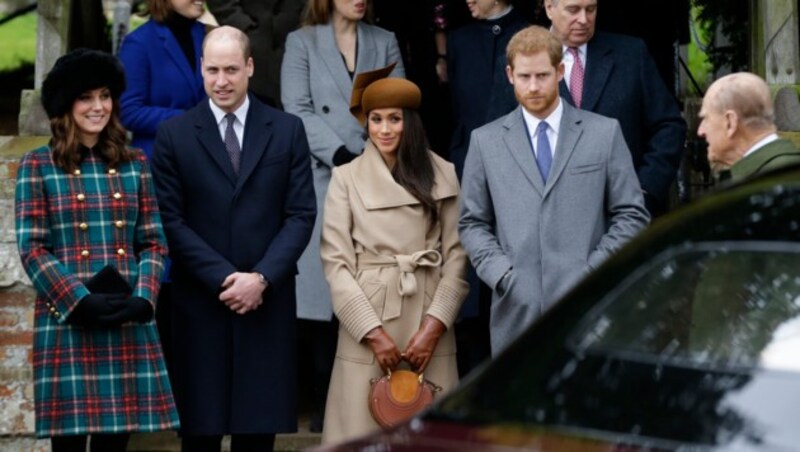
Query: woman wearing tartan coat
point(83, 202)
point(391, 256)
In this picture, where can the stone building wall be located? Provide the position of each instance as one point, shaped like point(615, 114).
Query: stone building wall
point(16, 315)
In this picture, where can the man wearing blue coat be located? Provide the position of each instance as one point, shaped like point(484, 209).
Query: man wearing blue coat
point(234, 186)
point(620, 80)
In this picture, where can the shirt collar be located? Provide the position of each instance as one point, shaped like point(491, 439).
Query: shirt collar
point(761, 143)
point(581, 51)
point(553, 120)
point(240, 113)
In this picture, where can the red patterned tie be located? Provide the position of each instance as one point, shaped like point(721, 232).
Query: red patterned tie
point(576, 78)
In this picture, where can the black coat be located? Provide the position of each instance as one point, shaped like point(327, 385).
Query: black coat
point(622, 82)
point(476, 65)
point(234, 373)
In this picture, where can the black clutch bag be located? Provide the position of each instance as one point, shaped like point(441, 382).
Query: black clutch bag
point(108, 280)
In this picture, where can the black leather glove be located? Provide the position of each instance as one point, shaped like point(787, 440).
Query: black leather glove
point(342, 156)
point(92, 307)
point(132, 309)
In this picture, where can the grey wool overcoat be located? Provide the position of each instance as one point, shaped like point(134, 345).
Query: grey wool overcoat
point(547, 235)
point(317, 88)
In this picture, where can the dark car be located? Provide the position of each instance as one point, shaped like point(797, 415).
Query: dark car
point(688, 339)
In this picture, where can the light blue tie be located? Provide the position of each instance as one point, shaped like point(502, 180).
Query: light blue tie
point(544, 157)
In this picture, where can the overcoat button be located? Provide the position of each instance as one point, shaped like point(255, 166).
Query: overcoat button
point(325, 109)
point(117, 195)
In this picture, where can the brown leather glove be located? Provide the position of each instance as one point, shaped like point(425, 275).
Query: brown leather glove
point(384, 348)
point(420, 348)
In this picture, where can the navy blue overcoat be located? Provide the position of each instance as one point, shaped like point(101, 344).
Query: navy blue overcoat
point(234, 373)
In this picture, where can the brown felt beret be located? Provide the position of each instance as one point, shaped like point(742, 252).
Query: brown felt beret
point(373, 90)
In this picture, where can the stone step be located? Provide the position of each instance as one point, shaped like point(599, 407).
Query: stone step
point(169, 441)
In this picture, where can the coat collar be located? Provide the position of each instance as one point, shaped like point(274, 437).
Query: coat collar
point(365, 59)
point(761, 157)
point(257, 134)
point(519, 146)
point(599, 64)
point(378, 190)
point(175, 53)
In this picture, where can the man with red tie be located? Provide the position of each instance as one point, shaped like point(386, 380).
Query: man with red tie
point(615, 76)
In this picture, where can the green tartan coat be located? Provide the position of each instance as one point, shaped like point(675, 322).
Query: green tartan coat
point(68, 227)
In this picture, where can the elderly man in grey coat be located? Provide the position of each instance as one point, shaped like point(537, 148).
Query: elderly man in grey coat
point(549, 192)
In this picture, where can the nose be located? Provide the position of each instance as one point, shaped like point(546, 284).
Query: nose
point(701, 130)
point(582, 16)
point(97, 103)
point(385, 127)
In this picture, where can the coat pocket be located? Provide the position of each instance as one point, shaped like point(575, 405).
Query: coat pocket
point(586, 168)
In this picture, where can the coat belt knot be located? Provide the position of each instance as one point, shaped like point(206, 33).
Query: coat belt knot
point(407, 264)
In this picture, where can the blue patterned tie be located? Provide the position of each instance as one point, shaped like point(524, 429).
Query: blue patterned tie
point(544, 157)
point(232, 143)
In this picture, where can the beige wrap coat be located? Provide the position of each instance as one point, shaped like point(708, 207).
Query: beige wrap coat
point(387, 267)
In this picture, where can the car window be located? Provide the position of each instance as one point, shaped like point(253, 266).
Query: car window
point(734, 305)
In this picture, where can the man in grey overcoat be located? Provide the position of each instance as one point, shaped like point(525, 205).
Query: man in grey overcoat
point(549, 192)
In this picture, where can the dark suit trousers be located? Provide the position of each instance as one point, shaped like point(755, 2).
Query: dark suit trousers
point(239, 443)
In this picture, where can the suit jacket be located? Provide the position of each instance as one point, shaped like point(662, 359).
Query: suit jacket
point(622, 82)
point(547, 235)
point(266, 22)
point(377, 241)
point(160, 83)
point(317, 88)
point(774, 155)
point(234, 373)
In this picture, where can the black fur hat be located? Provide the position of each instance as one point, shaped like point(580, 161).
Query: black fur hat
point(77, 72)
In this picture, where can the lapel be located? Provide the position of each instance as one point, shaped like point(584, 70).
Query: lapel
point(326, 40)
point(569, 134)
point(599, 63)
point(366, 59)
point(518, 143)
point(374, 183)
point(210, 139)
point(171, 47)
point(257, 134)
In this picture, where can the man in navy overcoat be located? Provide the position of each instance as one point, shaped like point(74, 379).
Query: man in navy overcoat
point(621, 81)
point(234, 186)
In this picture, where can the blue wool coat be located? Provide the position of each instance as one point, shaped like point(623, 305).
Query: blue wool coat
point(68, 227)
point(160, 82)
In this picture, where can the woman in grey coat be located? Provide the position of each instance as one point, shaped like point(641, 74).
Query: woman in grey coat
point(319, 64)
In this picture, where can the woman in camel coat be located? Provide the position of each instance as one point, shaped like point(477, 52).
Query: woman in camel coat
point(392, 257)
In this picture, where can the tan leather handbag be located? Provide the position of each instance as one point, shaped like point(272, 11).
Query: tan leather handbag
point(399, 395)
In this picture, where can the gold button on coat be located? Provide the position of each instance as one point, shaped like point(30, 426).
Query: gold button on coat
point(81, 197)
point(83, 226)
point(119, 224)
point(117, 195)
point(77, 172)
point(112, 171)
point(85, 253)
point(121, 251)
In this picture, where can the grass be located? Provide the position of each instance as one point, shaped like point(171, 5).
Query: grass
point(19, 42)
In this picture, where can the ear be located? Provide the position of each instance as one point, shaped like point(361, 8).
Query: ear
point(560, 71)
point(509, 74)
point(548, 7)
point(249, 66)
point(731, 123)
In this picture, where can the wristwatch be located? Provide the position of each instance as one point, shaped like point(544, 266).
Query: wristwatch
point(262, 279)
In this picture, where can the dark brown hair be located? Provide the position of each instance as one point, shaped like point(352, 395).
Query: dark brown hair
point(65, 142)
point(414, 167)
point(159, 9)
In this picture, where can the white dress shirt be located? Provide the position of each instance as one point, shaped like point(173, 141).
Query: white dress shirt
point(553, 121)
point(238, 125)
